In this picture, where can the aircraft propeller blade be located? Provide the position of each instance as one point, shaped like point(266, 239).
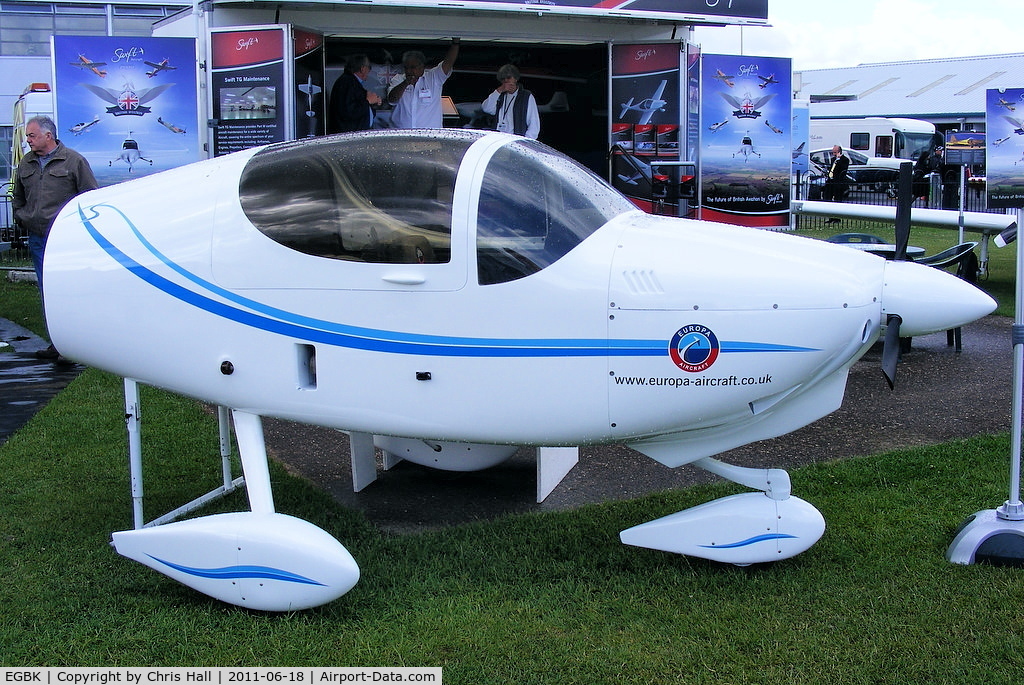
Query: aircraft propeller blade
point(904, 200)
point(891, 348)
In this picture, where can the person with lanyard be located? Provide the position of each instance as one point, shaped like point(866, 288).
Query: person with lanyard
point(351, 107)
point(515, 108)
point(416, 93)
point(47, 177)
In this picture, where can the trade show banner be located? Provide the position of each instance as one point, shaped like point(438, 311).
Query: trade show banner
point(310, 111)
point(248, 87)
point(1004, 148)
point(128, 104)
point(800, 137)
point(746, 150)
point(646, 120)
point(692, 103)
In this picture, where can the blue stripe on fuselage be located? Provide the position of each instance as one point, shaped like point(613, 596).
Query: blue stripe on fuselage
point(274, 320)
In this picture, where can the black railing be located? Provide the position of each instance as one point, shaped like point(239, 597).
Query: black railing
point(938, 195)
point(13, 241)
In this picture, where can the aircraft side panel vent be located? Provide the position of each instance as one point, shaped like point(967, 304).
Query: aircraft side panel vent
point(642, 282)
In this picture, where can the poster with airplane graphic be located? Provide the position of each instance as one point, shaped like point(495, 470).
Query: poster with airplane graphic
point(128, 104)
point(1004, 147)
point(746, 148)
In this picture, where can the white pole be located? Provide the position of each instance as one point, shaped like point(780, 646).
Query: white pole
point(133, 421)
point(224, 425)
point(1013, 509)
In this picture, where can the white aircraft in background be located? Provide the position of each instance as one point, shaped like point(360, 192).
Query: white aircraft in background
point(485, 293)
point(648, 106)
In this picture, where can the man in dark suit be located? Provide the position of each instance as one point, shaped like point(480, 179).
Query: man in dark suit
point(835, 183)
point(351, 107)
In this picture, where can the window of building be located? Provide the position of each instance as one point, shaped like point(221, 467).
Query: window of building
point(25, 28)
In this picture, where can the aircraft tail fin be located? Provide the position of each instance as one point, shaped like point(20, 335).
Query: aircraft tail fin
point(626, 106)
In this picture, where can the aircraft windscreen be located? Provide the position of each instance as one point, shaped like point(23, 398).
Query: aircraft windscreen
point(535, 206)
point(357, 198)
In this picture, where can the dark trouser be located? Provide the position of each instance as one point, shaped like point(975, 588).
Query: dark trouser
point(833, 192)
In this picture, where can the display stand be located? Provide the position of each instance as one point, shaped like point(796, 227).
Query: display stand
point(133, 421)
point(997, 535)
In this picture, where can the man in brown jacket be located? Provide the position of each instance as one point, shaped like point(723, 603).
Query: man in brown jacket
point(48, 176)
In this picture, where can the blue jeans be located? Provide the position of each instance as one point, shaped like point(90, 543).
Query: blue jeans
point(36, 246)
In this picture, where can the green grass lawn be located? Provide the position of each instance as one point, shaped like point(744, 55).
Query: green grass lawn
point(538, 598)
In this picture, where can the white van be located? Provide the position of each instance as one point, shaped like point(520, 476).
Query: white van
point(885, 137)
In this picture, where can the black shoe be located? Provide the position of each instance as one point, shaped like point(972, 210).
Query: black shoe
point(61, 360)
point(832, 220)
point(49, 353)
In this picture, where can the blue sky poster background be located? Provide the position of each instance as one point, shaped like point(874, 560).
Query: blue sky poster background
point(746, 119)
point(125, 68)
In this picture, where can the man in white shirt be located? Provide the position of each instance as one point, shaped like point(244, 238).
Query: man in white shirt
point(416, 94)
point(515, 108)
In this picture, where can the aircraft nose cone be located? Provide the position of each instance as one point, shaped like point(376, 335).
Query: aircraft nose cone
point(930, 300)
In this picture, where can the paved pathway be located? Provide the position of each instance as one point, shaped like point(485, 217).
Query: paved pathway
point(26, 383)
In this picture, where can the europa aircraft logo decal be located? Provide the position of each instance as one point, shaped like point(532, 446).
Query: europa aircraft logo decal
point(694, 348)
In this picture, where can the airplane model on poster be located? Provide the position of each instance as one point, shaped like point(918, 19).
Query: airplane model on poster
point(169, 126)
point(775, 129)
point(80, 128)
point(85, 63)
point(1007, 104)
point(310, 89)
point(720, 75)
point(767, 81)
point(648, 106)
point(162, 65)
point(746, 149)
point(714, 127)
point(130, 153)
point(799, 152)
point(486, 276)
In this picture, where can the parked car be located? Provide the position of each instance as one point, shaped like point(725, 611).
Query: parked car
point(865, 173)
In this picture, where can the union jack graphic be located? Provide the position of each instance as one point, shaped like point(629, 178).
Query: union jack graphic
point(128, 100)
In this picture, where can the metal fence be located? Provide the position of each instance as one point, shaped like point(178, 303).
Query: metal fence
point(940, 196)
point(13, 242)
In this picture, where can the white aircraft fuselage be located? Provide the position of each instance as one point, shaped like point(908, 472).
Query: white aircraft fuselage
point(680, 338)
point(577, 353)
